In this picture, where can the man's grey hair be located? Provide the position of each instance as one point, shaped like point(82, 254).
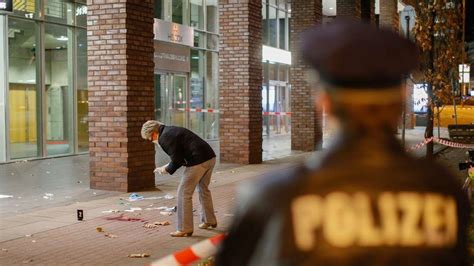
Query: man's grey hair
point(149, 127)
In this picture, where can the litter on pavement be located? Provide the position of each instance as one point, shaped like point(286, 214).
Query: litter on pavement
point(166, 213)
point(141, 255)
point(136, 197)
point(111, 211)
point(5, 196)
point(133, 209)
point(156, 224)
point(110, 235)
point(99, 229)
point(49, 196)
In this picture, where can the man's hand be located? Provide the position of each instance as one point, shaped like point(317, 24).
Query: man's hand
point(161, 170)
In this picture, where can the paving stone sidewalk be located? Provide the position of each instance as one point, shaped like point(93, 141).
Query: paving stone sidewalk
point(69, 242)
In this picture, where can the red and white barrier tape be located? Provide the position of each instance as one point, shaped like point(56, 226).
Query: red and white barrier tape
point(277, 113)
point(199, 251)
point(442, 142)
point(198, 110)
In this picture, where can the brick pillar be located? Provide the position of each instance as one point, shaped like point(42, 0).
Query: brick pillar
point(120, 78)
point(306, 123)
point(348, 8)
point(367, 9)
point(389, 14)
point(240, 75)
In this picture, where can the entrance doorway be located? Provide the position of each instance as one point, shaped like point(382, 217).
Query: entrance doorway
point(171, 98)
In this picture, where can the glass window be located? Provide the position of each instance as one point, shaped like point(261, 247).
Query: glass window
point(272, 26)
point(159, 9)
point(26, 8)
point(58, 89)
point(281, 4)
point(82, 98)
point(197, 92)
point(212, 42)
point(60, 11)
point(273, 2)
point(177, 11)
point(197, 14)
point(211, 123)
point(199, 39)
point(264, 24)
point(212, 16)
point(282, 29)
point(81, 15)
point(23, 97)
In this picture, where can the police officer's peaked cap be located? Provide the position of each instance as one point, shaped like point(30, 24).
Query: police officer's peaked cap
point(351, 54)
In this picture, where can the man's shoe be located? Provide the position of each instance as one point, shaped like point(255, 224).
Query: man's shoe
point(180, 234)
point(207, 226)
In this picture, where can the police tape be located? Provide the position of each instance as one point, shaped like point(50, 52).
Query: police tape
point(276, 113)
point(444, 142)
point(198, 251)
point(209, 110)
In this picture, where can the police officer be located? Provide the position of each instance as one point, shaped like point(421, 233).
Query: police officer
point(366, 202)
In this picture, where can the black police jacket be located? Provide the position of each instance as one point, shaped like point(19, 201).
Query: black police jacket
point(184, 147)
point(365, 203)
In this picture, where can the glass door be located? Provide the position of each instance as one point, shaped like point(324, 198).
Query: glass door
point(171, 99)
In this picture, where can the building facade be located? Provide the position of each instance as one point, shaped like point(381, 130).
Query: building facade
point(43, 93)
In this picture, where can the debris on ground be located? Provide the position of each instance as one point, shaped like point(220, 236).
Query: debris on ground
point(5, 196)
point(28, 235)
point(99, 229)
point(133, 209)
point(166, 209)
point(49, 196)
point(79, 182)
point(27, 261)
point(48, 172)
point(169, 196)
point(123, 218)
point(140, 255)
point(33, 241)
point(111, 211)
point(110, 235)
point(232, 171)
point(4, 250)
point(156, 224)
point(135, 197)
point(166, 213)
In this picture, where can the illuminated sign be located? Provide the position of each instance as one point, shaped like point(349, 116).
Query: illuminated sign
point(173, 33)
point(6, 6)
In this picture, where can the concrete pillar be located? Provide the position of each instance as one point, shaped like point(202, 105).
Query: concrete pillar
point(240, 75)
point(409, 105)
point(306, 123)
point(348, 8)
point(120, 79)
point(389, 14)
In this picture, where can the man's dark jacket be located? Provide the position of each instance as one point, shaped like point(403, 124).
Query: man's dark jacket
point(365, 203)
point(184, 147)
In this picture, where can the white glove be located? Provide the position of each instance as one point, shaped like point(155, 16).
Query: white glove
point(161, 170)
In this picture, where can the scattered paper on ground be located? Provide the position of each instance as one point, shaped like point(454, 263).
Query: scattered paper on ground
point(133, 209)
point(111, 211)
point(48, 196)
point(110, 235)
point(156, 224)
point(5, 196)
point(140, 255)
point(166, 213)
point(99, 229)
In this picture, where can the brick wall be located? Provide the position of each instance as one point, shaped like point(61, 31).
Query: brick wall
point(306, 123)
point(349, 8)
point(389, 14)
point(120, 79)
point(240, 76)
